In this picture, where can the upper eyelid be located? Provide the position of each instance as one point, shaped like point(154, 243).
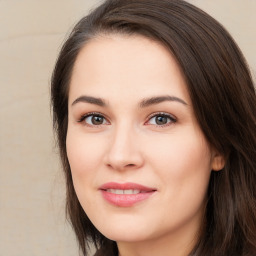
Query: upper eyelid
point(82, 117)
point(161, 113)
point(171, 122)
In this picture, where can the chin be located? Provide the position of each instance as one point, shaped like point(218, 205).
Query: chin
point(125, 235)
point(128, 230)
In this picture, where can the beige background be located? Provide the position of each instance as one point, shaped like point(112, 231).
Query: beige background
point(32, 218)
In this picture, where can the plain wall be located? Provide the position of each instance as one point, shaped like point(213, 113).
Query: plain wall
point(32, 192)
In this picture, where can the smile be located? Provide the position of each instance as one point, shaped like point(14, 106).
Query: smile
point(126, 194)
point(126, 191)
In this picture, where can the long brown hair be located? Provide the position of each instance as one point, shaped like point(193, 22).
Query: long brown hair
point(224, 102)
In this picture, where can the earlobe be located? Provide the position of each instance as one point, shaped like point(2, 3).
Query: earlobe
point(218, 162)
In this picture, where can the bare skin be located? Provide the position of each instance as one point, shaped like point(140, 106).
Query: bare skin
point(131, 120)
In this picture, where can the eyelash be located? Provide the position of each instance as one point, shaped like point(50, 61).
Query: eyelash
point(171, 118)
point(82, 118)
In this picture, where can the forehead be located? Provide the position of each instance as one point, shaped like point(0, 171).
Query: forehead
point(115, 65)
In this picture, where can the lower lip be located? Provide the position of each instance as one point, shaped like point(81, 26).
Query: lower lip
point(125, 200)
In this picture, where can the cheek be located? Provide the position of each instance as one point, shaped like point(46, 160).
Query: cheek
point(84, 154)
point(182, 162)
point(183, 166)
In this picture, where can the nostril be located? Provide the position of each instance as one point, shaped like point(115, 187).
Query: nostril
point(130, 165)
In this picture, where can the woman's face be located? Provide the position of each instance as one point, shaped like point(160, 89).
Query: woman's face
point(139, 161)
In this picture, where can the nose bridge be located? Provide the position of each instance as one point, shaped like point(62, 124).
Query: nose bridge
point(124, 149)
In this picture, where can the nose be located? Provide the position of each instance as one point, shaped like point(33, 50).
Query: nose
point(124, 150)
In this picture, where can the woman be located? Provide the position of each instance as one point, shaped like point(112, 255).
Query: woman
point(154, 109)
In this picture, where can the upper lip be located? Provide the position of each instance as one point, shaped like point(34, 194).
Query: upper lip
point(126, 186)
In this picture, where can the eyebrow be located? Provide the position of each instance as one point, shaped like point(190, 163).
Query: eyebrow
point(156, 100)
point(144, 103)
point(89, 99)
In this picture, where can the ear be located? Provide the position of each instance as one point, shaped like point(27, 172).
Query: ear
point(218, 161)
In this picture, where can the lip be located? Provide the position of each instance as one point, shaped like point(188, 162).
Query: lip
point(125, 200)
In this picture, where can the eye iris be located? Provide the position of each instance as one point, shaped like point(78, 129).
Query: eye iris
point(97, 120)
point(160, 120)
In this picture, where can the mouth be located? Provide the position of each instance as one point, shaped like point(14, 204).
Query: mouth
point(125, 194)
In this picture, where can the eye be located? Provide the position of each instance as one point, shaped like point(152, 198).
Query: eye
point(161, 119)
point(93, 119)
